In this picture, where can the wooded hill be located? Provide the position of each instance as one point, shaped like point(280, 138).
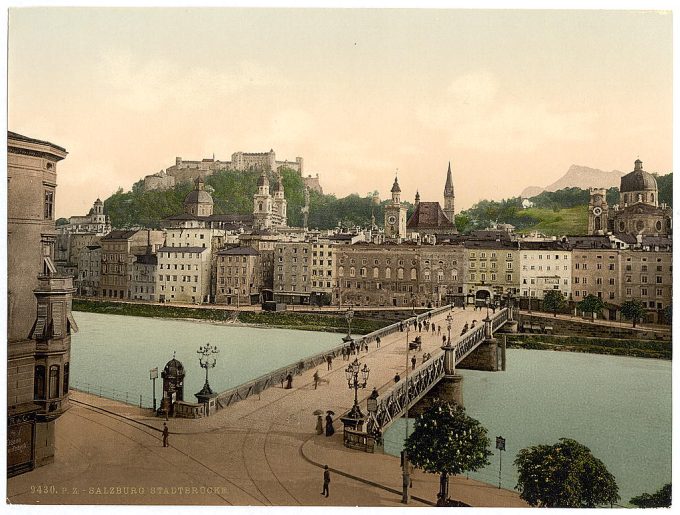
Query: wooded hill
point(554, 212)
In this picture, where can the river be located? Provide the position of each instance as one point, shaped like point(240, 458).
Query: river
point(114, 353)
point(618, 407)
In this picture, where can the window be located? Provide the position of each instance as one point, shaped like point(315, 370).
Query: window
point(49, 204)
point(400, 273)
point(39, 383)
point(66, 371)
point(414, 274)
point(388, 273)
point(375, 272)
point(54, 381)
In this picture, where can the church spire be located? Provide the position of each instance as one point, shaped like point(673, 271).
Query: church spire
point(448, 187)
point(449, 196)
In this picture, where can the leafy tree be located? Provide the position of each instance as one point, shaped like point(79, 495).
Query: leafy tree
point(463, 222)
point(591, 304)
point(633, 310)
point(564, 475)
point(665, 185)
point(659, 499)
point(554, 301)
point(61, 221)
point(446, 441)
point(668, 314)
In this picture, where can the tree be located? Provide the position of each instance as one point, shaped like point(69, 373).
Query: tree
point(61, 221)
point(446, 441)
point(553, 301)
point(564, 475)
point(660, 499)
point(591, 304)
point(633, 310)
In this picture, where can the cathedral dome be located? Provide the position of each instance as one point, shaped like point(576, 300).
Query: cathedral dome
point(198, 197)
point(638, 180)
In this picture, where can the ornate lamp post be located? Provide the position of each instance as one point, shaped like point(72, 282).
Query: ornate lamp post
point(413, 304)
point(352, 373)
point(207, 360)
point(349, 315)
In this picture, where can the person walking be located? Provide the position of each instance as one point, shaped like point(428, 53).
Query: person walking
point(316, 378)
point(444, 340)
point(413, 363)
point(377, 342)
point(166, 432)
point(319, 425)
point(329, 360)
point(289, 381)
point(326, 480)
point(329, 425)
point(439, 330)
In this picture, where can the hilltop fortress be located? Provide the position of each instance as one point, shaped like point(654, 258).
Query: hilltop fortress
point(240, 161)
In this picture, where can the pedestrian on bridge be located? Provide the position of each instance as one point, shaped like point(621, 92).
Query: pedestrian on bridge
point(377, 342)
point(319, 425)
point(444, 340)
point(329, 425)
point(433, 328)
point(413, 363)
point(439, 330)
point(420, 326)
point(166, 432)
point(316, 378)
point(329, 360)
point(289, 381)
point(397, 377)
point(326, 480)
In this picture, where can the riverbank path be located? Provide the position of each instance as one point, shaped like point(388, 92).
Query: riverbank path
point(261, 451)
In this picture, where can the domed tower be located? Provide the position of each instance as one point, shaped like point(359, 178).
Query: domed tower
point(262, 203)
point(173, 384)
point(638, 187)
point(280, 203)
point(417, 197)
point(395, 215)
point(449, 196)
point(198, 202)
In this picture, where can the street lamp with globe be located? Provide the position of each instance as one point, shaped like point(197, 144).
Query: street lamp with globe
point(352, 373)
point(449, 321)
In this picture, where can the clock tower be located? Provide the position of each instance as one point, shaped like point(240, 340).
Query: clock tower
point(395, 215)
point(598, 211)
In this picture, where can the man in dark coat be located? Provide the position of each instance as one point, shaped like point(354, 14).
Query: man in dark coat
point(326, 480)
point(166, 432)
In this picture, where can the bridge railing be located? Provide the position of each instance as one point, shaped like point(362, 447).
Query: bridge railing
point(406, 392)
point(259, 384)
point(500, 319)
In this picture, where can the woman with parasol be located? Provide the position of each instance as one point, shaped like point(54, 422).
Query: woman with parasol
point(319, 421)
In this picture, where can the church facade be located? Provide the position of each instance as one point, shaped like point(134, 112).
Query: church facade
point(638, 211)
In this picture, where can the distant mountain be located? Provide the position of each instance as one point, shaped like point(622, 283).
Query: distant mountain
point(579, 177)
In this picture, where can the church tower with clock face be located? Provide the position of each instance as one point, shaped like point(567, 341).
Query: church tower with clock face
point(395, 215)
point(598, 211)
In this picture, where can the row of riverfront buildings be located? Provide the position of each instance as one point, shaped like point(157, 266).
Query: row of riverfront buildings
point(199, 257)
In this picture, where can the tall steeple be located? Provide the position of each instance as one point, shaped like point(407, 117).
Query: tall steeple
point(449, 196)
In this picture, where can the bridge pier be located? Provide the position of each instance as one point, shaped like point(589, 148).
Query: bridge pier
point(484, 357)
point(448, 389)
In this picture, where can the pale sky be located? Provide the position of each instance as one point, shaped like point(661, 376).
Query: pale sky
point(511, 98)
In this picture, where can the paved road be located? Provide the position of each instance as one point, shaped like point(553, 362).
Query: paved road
point(261, 451)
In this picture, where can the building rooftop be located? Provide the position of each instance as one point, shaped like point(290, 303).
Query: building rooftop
point(429, 215)
point(120, 235)
point(21, 137)
point(239, 251)
point(544, 245)
point(182, 249)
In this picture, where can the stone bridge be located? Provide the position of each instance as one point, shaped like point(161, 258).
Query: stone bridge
point(439, 373)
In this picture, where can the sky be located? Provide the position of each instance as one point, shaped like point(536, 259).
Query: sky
point(511, 98)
